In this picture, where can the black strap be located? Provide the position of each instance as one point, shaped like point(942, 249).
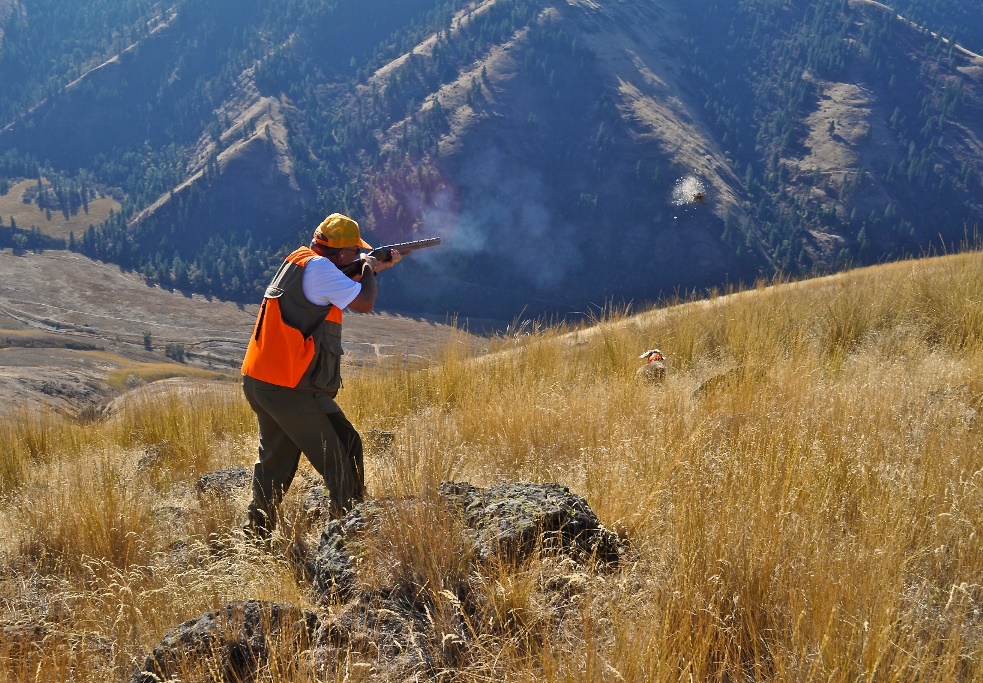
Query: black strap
point(259, 322)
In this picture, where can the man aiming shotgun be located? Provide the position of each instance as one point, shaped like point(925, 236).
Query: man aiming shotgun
point(292, 368)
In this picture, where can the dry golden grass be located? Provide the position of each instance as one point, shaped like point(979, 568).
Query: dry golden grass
point(133, 373)
point(802, 495)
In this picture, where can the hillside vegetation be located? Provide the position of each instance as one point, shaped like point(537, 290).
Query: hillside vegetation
point(824, 133)
point(801, 495)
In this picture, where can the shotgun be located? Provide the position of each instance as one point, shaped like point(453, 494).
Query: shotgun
point(384, 253)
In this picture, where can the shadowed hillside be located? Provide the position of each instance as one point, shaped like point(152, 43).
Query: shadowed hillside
point(544, 141)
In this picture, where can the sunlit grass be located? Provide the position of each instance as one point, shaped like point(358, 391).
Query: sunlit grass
point(136, 374)
point(53, 223)
point(802, 495)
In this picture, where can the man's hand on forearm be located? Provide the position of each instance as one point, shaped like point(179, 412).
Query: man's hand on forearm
point(379, 265)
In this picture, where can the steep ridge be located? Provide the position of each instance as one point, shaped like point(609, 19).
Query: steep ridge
point(527, 154)
point(820, 134)
point(852, 143)
point(850, 176)
point(248, 171)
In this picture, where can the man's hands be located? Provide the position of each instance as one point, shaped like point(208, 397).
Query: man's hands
point(364, 302)
point(377, 265)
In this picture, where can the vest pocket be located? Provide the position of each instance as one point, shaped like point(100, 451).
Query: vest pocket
point(326, 373)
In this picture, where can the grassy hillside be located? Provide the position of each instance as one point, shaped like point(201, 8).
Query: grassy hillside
point(52, 222)
point(802, 495)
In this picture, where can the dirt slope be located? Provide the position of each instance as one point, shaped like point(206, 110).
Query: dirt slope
point(72, 332)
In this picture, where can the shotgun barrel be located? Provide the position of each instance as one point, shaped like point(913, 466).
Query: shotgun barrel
point(384, 253)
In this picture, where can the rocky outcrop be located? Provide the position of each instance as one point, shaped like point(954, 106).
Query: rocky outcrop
point(513, 520)
point(236, 640)
point(225, 481)
point(329, 567)
point(407, 628)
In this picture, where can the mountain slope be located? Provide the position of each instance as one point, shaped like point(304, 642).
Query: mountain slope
point(640, 110)
point(557, 159)
point(554, 145)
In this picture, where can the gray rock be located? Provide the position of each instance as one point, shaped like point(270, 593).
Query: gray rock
point(317, 503)
point(384, 626)
point(512, 520)
point(225, 481)
point(394, 625)
point(239, 636)
point(330, 568)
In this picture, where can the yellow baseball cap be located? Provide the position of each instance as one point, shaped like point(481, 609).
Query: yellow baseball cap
point(338, 232)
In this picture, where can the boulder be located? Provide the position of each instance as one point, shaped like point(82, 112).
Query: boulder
point(330, 568)
point(393, 625)
point(225, 481)
point(513, 520)
point(239, 639)
point(380, 626)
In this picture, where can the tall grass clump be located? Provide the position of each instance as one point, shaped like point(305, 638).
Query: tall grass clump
point(803, 490)
point(107, 542)
point(186, 431)
point(33, 436)
point(801, 497)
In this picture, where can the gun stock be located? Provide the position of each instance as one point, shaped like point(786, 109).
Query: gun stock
point(385, 253)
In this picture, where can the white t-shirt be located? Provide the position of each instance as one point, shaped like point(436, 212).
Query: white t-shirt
point(325, 284)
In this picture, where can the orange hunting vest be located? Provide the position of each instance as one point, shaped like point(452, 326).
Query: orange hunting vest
point(295, 343)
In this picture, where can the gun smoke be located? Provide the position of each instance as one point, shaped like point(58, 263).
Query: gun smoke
point(498, 233)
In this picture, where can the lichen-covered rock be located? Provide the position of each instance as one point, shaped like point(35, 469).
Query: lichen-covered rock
point(238, 638)
point(511, 520)
point(225, 481)
point(330, 568)
point(317, 502)
point(396, 623)
point(385, 628)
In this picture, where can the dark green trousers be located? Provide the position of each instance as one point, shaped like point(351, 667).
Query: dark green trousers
point(292, 422)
